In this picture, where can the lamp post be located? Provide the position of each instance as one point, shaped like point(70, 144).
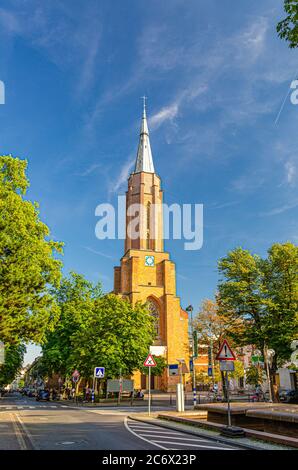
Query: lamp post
point(269, 353)
point(194, 388)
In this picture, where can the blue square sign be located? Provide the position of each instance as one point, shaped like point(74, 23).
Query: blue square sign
point(99, 372)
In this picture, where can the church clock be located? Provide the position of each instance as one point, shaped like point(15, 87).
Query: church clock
point(149, 260)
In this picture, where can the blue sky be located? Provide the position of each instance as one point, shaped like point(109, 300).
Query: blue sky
point(215, 74)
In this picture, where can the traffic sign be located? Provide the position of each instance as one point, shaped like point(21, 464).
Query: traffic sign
point(75, 379)
point(227, 366)
point(173, 369)
point(225, 353)
point(99, 372)
point(210, 372)
point(149, 362)
point(76, 373)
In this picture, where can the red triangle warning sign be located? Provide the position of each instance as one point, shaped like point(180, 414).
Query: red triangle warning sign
point(150, 362)
point(225, 353)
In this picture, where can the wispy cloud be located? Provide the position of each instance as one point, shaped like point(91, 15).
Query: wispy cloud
point(115, 185)
point(52, 28)
point(164, 114)
point(280, 210)
point(291, 172)
point(91, 169)
point(99, 253)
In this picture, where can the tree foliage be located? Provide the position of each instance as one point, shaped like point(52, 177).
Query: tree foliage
point(212, 328)
point(75, 298)
point(27, 260)
point(254, 376)
point(97, 330)
point(261, 294)
point(14, 355)
point(288, 28)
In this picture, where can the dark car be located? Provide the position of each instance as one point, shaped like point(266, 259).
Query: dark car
point(290, 396)
point(43, 395)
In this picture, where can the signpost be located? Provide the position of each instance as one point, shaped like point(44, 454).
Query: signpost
point(75, 378)
point(224, 355)
point(99, 373)
point(149, 362)
point(226, 358)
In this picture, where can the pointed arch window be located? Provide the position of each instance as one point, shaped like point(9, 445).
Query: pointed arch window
point(154, 311)
point(148, 215)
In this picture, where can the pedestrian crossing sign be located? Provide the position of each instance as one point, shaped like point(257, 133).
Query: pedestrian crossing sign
point(150, 362)
point(99, 372)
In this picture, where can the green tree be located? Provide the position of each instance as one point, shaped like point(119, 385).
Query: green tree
point(212, 329)
point(14, 355)
point(116, 335)
point(288, 28)
point(28, 265)
point(75, 298)
point(254, 376)
point(261, 294)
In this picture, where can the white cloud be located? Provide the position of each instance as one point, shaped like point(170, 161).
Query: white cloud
point(280, 210)
point(164, 114)
point(291, 172)
point(115, 185)
point(99, 253)
point(9, 22)
point(51, 29)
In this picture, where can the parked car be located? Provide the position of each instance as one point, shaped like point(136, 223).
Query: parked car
point(43, 395)
point(289, 396)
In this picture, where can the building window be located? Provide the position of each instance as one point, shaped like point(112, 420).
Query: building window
point(153, 309)
point(148, 215)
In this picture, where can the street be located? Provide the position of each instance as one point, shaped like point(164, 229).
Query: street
point(27, 424)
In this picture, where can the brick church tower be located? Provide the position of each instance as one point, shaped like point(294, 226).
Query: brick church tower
point(146, 272)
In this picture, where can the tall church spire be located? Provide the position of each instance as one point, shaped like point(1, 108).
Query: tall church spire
point(144, 161)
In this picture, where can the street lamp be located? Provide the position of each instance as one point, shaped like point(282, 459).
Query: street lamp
point(194, 388)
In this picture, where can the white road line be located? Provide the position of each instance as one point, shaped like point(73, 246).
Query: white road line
point(17, 432)
point(27, 432)
point(144, 439)
point(206, 446)
point(142, 431)
point(197, 439)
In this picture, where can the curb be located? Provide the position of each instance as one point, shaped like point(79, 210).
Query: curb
point(191, 432)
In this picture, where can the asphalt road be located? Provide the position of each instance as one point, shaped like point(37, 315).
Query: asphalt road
point(27, 424)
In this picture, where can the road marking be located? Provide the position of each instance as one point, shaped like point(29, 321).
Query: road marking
point(140, 437)
point(197, 439)
point(18, 433)
point(194, 445)
point(176, 438)
point(142, 431)
point(27, 432)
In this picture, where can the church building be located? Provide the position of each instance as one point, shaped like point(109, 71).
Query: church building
point(146, 272)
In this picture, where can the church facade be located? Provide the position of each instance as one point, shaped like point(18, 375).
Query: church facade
point(146, 272)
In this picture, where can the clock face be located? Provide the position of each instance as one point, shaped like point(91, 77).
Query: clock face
point(149, 260)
